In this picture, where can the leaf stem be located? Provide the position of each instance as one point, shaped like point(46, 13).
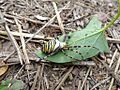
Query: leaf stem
point(114, 19)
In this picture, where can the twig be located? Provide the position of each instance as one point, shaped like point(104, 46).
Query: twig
point(31, 73)
point(101, 82)
point(115, 71)
point(24, 34)
point(23, 44)
point(114, 75)
point(113, 57)
point(9, 56)
point(18, 72)
point(14, 43)
point(35, 21)
point(60, 21)
point(40, 6)
point(113, 40)
point(77, 18)
point(79, 85)
point(59, 18)
point(17, 38)
point(85, 78)
point(40, 75)
point(65, 77)
point(36, 77)
point(46, 81)
point(9, 64)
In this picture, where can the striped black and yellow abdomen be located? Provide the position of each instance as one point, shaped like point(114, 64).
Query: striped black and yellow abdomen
point(52, 46)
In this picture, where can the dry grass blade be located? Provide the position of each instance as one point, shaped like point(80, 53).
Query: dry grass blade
point(40, 76)
point(64, 78)
point(39, 6)
point(85, 79)
point(23, 44)
point(18, 72)
point(103, 81)
point(2, 20)
point(58, 18)
point(114, 55)
point(14, 43)
point(9, 56)
point(17, 34)
point(113, 40)
point(34, 21)
point(79, 85)
point(36, 77)
point(115, 71)
point(46, 81)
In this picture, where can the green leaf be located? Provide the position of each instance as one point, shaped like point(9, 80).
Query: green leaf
point(4, 85)
point(84, 44)
point(15, 85)
point(57, 57)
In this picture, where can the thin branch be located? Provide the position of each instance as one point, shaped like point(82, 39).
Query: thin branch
point(14, 43)
point(64, 78)
point(85, 78)
point(35, 21)
point(26, 35)
point(58, 18)
point(23, 43)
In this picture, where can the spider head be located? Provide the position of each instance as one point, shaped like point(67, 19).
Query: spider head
point(60, 44)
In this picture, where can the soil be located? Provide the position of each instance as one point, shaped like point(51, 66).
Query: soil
point(17, 51)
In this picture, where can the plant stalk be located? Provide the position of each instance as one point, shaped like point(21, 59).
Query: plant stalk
point(114, 19)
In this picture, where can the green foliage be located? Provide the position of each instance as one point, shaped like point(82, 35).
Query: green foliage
point(91, 41)
point(15, 85)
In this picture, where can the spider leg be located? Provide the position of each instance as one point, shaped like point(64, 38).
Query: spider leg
point(71, 49)
point(80, 46)
point(67, 54)
point(75, 49)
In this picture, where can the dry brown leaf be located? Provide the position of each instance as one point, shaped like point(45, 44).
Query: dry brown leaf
point(3, 69)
